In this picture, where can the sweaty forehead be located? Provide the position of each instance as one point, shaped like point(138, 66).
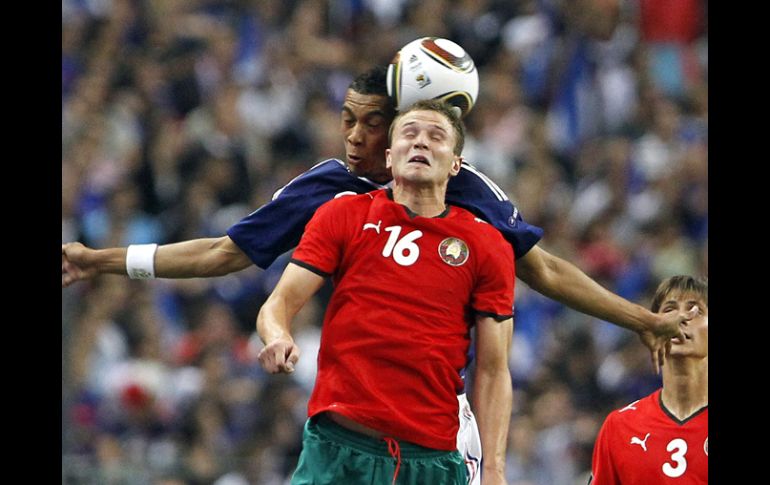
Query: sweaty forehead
point(363, 104)
point(427, 118)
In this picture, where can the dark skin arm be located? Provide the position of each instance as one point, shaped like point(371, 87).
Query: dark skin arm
point(566, 283)
point(197, 258)
point(547, 274)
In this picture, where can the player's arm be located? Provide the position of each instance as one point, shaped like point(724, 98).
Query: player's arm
point(296, 286)
point(258, 238)
point(566, 283)
point(316, 258)
point(553, 276)
point(197, 258)
point(493, 394)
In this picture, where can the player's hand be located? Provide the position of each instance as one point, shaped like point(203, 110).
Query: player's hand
point(280, 355)
point(76, 263)
point(665, 327)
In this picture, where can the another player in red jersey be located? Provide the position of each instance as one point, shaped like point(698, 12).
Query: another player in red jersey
point(412, 275)
point(663, 438)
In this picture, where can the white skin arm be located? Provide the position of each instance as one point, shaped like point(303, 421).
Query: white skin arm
point(296, 286)
point(197, 258)
point(566, 283)
point(493, 394)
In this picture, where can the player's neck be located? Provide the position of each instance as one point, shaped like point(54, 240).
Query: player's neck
point(425, 201)
point(685, 386)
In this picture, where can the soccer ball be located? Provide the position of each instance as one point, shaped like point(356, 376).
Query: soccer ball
point(433, 68)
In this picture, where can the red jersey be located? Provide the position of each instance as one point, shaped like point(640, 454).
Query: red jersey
point(643, 444)
point(397, 329)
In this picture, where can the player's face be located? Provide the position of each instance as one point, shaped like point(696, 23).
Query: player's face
point(422, 149)
point(365, 122)
point(696, 331)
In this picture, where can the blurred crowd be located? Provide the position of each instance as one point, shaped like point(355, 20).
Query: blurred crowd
point(179, 117)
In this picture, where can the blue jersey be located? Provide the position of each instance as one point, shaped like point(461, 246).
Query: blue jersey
point(277, 226)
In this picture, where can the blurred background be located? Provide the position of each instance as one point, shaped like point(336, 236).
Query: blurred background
point(179, 117)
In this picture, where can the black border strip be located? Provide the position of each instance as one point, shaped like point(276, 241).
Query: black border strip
point(309, 267)
point(496, 316)
point(674, 418)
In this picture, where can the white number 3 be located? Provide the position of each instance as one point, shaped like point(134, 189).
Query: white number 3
point(405, 252)
point(679, 447)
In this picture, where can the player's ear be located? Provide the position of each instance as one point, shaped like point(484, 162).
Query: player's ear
point(455, 168)
point(388, 163)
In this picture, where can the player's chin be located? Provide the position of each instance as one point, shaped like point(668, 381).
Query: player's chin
point(355, 163)
point(419, 181)
point(360, 170)
point(418, 173)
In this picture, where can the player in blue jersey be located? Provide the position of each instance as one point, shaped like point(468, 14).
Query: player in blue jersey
point(276, 227)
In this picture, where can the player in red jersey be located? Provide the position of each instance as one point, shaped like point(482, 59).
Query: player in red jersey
point(412, 275)
point(663, 438)
point(366, 115)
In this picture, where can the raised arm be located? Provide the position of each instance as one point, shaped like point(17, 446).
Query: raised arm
point(197, 258)
point(567, 284)
point(493, 394)
point(296, 286)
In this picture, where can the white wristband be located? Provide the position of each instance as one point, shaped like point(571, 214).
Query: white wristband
point(140, 261)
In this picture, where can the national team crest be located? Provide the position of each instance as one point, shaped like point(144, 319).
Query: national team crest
point(453, 251)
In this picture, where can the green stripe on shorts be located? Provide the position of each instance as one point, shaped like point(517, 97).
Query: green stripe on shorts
point(333, 455)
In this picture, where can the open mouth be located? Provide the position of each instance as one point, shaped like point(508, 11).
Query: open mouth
point(354, 160)
point(419, 159)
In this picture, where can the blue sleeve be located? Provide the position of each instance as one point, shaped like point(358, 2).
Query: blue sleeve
point(277, 226)
point(473, 191)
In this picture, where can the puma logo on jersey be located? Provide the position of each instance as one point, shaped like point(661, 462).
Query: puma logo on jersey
point(642, 443)
point(376, 227)
point(630, 406)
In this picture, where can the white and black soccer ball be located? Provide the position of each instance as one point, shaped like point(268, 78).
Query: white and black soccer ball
point(433, 68)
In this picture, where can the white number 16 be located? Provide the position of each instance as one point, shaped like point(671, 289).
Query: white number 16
point(405, 252)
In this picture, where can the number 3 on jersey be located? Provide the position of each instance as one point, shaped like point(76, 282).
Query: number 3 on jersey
point(405, 252)
point(678, 448)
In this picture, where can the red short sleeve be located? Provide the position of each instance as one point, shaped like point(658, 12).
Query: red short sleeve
point(493, 295)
